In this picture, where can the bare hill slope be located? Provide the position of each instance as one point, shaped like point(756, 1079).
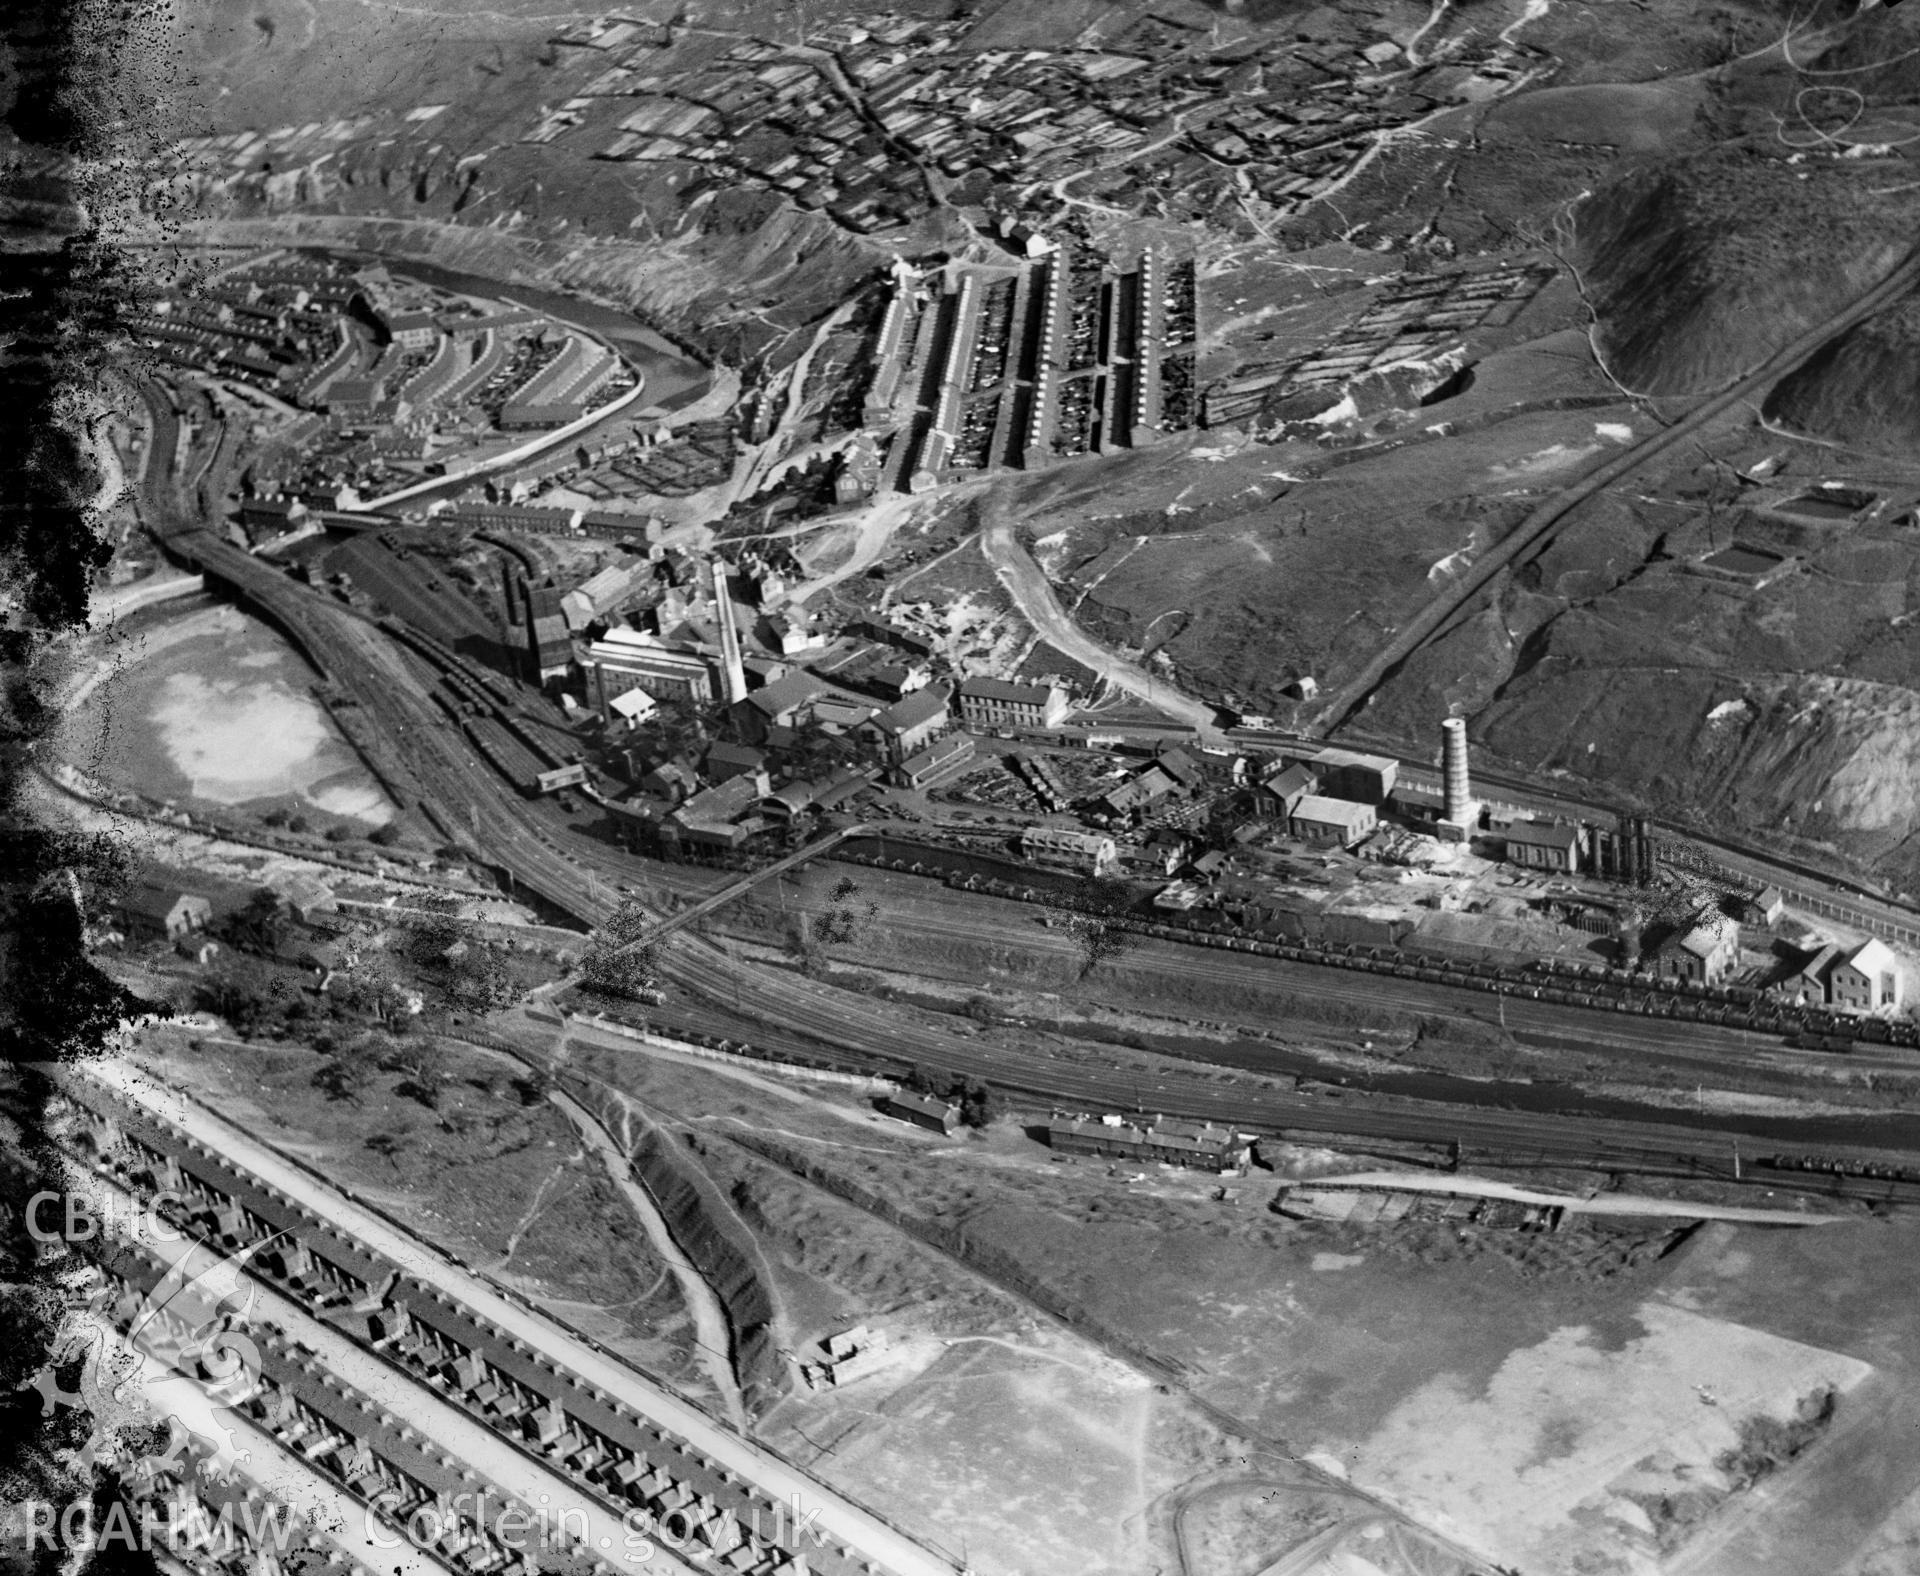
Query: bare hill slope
point(1698, 271)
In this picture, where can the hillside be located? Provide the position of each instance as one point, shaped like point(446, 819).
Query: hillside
point(1699, 269)
point(1863, 390)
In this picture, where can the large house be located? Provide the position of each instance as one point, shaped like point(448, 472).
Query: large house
point(149, 912)
point(940, 760)
point(987, 704)
point(1279, 792)
point(1065, 848)
point(784, 703)
point(1862, 978)
point(1865, 979)
point(923, 1110)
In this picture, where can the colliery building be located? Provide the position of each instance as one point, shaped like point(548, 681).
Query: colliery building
point(627, 659)
point(1199, 1145)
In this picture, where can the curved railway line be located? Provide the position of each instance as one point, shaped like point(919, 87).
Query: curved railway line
point(576, 875)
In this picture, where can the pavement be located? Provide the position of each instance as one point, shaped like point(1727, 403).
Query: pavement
point(842, 1520)
point(1573, 1204)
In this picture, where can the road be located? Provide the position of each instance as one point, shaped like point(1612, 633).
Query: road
point(846, 1523)
point(1539, 526)
point(520, 453)
point(1032, 593)
point(876, 524)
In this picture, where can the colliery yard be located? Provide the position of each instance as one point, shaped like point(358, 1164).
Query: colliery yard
point(576, 875)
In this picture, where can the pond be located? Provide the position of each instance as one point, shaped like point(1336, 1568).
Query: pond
point(203, 704)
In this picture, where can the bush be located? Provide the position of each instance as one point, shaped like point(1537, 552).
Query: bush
point(385, 836)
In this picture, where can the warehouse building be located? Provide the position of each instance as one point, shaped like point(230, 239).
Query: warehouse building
point(1545, 845)
point(1201, 1146)
point(1338, 823)
point(627, 658)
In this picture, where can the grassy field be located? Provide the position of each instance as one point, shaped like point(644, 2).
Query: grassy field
point(492, 1177)
point(990, 1426)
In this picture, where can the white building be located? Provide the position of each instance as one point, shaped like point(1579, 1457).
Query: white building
point(627, 658)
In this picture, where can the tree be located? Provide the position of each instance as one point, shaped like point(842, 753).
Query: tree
point(428, 1072)
point(481, 981)
point(976, 1103)
point(349, 1073)
point(620, 960)
point(260, 924)
point(1093, 914)
point(388, 1146)
point(234, 993)
point(385, 836)
point(847, 921)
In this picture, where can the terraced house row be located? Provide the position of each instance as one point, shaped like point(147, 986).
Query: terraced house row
point(978, 370)
point(626, 1460)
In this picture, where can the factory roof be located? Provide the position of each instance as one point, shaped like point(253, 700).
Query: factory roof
point(1007, 691)
point(1332, 812)
point(1544, 834)
point(910, 712)
point(784, 694)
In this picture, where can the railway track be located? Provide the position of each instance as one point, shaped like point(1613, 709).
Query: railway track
point(579, 877)
point(1540, 526)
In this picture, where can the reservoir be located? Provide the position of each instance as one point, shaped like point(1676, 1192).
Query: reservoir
point(204, 706)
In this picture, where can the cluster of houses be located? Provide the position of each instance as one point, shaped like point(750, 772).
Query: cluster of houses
point(975, 369)
point(605, 1445)
point(1413, 318)
point(397, 380)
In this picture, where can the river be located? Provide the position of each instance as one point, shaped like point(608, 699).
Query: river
point(204, 705)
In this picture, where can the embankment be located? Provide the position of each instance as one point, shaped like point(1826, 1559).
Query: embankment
point(987, 1260)
point(710, 1233)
